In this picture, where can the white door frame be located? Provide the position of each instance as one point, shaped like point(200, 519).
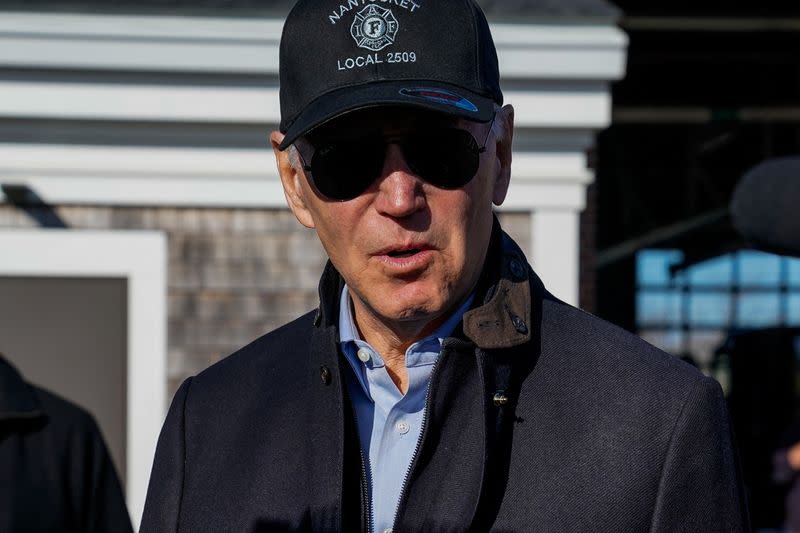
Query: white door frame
point(141, 258)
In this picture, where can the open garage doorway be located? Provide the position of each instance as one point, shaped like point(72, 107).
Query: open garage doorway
point(83, 313)
point(69, 336)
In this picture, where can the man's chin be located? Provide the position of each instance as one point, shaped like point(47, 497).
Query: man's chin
point(415, 314)
point(406, 312)
point(422, 315)
point(407, 304)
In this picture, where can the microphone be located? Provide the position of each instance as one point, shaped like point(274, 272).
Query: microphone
point(765, 207)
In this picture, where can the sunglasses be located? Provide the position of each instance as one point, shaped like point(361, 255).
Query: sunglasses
point(343, 169)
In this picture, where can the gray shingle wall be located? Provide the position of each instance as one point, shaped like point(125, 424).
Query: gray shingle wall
point(233, 274)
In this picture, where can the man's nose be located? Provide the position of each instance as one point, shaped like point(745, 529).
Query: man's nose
point(400, 191)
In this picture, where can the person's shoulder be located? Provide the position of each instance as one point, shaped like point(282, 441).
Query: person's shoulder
point(41, 407)
point(599, 371)
point(58, 407)
point(65, 418)
point(605, 349)
point(271, 356)
point(268, 374)
point(70, 432)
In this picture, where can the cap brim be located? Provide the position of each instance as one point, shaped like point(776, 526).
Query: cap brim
point(432, 96)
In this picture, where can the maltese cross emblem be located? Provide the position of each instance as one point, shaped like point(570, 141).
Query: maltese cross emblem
point(374, 28)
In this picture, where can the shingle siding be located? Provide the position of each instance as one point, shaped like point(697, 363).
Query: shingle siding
point(232, 275)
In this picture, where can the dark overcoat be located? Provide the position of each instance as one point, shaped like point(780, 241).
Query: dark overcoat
point(55, 472)
point(539, 417)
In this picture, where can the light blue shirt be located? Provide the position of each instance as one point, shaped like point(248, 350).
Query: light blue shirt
point(389, 423)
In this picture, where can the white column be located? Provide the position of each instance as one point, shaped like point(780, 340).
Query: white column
point(556, 251)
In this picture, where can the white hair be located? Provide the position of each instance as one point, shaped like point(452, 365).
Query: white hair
point(294, 157)
point(498, 127)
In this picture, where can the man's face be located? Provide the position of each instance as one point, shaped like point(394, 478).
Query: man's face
point(409, 251)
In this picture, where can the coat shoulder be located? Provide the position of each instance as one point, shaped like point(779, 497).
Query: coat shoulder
point(603, 416)
point(40, 407)
point(270, 361)
point(619, 369)
point(66, 417)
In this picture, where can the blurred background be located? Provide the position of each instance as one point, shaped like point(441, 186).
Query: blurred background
point(143, 233)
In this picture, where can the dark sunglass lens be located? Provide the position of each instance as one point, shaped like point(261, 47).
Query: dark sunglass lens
point(342, 171)
point(447, 158)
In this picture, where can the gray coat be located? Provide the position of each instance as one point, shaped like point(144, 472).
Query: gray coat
point(540, 417)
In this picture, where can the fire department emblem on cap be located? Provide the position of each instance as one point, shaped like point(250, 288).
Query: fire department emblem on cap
point(374, 28)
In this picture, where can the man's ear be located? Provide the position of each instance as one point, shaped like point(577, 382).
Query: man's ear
point(505, 138)
point(292, 180)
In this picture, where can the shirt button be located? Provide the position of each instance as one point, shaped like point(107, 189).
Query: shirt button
point(364, 355)
point(402, 427)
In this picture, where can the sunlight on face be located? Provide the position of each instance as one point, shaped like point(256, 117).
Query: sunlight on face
point(409, 251)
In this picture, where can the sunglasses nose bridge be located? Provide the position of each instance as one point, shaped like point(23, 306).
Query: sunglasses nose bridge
point(400, 191)
point(394, 158)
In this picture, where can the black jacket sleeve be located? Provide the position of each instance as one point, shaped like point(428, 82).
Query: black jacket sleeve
point(104, 505)
point(701, 486)
point(165, 491)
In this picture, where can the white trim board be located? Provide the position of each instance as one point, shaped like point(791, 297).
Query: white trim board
point(250, 194)
point(225, 45)
point(141, 258)
point(92, 175)
point(555, 254)
point(20, 161)
point(586, 107)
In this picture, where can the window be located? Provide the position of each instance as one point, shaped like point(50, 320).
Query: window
point(689, 312)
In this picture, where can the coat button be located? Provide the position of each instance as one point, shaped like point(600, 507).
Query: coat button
point(500, 399)
point(325, 375)
point(519, 325)
point(517, 269)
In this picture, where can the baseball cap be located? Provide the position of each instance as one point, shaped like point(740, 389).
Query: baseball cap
point(338, 56)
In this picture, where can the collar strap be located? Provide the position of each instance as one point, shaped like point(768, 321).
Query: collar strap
point(505, 320)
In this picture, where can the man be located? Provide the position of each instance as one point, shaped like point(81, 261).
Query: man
point(438, 387)
point(55, 471)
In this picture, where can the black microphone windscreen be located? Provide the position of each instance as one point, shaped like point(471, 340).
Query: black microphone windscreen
point(765, 208)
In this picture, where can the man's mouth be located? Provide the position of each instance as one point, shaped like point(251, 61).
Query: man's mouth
point(404, 253)
point(406, 257)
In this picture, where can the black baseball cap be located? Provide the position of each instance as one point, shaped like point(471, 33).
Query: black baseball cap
point(338, 56)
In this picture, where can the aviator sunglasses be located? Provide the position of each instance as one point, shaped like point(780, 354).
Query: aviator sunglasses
point(445, 157)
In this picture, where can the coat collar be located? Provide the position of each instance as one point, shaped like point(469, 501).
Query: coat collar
point(17, 398)
point(501, 315)
point(502, 318)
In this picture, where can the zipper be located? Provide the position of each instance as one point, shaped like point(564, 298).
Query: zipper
point(404, 486)
point(366, 471)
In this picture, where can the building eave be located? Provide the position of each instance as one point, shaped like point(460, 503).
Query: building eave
point(234, 46)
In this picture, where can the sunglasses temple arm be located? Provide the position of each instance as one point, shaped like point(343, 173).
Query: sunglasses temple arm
point(488, 133)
